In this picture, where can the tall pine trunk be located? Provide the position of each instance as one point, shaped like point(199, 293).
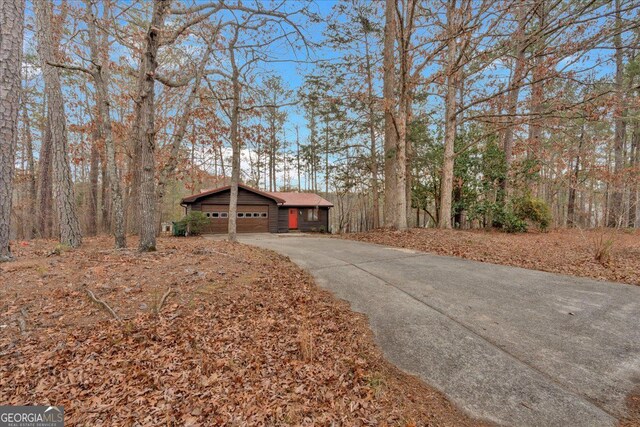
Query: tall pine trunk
point(45, 184)
point(616, 207)
point(573, 183)
point(634, 192)
point(33, 189)
point(11, 35)
point(446, 180)
point(113, 210)
point(390, 137)
point(373, 159)
point(70, 233)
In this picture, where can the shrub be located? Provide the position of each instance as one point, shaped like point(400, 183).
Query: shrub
point(529, 208)
point(506, 218)
point(193, 223)
point(602, 245)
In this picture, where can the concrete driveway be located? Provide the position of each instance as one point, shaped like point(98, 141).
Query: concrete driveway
point(508, 345)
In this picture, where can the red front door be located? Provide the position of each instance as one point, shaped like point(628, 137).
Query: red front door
point(293, 219)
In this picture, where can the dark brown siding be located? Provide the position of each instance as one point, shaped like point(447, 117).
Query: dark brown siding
point(244, 198)
point(322, 224)
point(283, 220)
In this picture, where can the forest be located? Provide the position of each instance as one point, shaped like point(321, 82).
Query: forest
point(461, 114)
point(410, 212)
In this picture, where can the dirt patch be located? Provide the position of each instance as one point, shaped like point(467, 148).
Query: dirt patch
point(559, 251)
point(633, 408)
point(210, 333)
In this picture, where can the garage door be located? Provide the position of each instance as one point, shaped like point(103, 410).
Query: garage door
point(251, 218)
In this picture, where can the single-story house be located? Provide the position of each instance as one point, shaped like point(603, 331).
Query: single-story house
point(261, 211)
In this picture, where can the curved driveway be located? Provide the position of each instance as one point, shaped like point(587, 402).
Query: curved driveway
point(508, 345)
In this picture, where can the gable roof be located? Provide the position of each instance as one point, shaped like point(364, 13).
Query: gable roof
point(302, 199)
point(280, 197)
point(194, 197)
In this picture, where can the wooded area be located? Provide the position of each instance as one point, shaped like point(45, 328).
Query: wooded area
point(457, 114)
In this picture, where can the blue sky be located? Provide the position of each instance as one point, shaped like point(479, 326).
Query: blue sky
point(293, 73)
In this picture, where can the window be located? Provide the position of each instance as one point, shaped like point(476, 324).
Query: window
point(224, 215)
point(263, 214)
point(256, 215)
point(240, 214)
point(207, 214)
point(215, 214)
point(312, 214)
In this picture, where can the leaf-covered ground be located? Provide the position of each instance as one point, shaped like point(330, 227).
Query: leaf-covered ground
point(243, 338)
point(558, 251)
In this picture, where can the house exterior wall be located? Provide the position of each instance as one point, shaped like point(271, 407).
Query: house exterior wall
point(283, 219)
point(322, 224)
point(278, 220)
point(244, 198)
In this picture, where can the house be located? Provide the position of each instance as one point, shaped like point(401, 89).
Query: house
point(261, 211)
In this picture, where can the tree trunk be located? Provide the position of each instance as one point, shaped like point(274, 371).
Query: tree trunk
point(373, 159)
point(100, 78)
point(235, 145)
point(573, 183)
point(105, 195)
point(65, 198)
point(298, 156)
point(144, 128)
point(11, 36)
point(634, 191)
point(390, 136)
point(94, 170)
point(446, 181)
point(326, 154)
point(409, 158)
point(33, 189)
point(616, 208)
point(512, 101)
point(45, 184)
point(115, 189)
point(401, 163)
point(235, 142)
point(537, 93)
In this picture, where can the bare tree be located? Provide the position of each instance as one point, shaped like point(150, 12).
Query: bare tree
point(181, 127)
point(144, 127)
point(235, 141)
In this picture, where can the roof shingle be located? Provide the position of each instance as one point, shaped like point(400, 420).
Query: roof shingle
point(283, 198)
point(301, 199)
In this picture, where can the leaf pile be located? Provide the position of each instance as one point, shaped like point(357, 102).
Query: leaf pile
point(561, 251)
point(245, 338)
